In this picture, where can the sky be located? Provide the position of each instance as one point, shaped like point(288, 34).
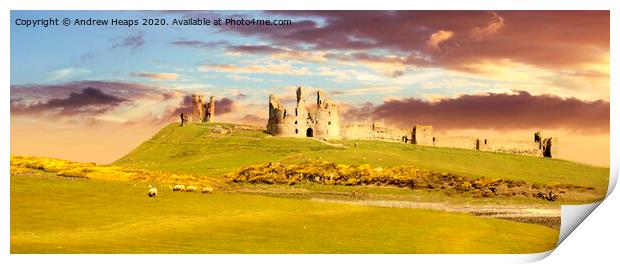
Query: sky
point(93, 93)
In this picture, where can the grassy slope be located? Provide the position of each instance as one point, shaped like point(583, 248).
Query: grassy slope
point(50, 214)
point(193, 149)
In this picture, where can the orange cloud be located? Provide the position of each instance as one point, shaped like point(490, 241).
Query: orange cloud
point(494, 25)
point(540, 38)
point(437, 38)
point(157, 76)
point(255, 68)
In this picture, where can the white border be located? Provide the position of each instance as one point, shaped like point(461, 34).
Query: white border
point(313, 5)
point(569, 252)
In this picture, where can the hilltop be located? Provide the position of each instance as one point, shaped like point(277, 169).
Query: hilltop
point(214, 149)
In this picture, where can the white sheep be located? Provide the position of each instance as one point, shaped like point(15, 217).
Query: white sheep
point(152, 191)
point(191, 188)
point(207, 190)
point(178, 188)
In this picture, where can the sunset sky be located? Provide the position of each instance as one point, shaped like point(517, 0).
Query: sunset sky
point(94, 93)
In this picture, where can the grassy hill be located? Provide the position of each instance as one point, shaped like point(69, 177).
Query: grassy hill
point(196, 150)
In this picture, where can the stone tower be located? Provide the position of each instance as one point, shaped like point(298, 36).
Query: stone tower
point(197, 108)
point(550, 147)
point(319, 98)
point(301, 113)
point(202, 111)
point(277, 114)
point(422, 135)
point(210, 110)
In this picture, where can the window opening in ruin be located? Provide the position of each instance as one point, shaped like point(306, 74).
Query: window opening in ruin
point(485, 141)
point(295, 122)
point(433, 140)
point(309, 133)
point(329, 123)
point(296, 131)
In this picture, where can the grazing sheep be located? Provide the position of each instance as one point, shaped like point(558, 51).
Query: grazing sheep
point(152, 192)
point(207, 190)
point(178, 188)
point(191, 188)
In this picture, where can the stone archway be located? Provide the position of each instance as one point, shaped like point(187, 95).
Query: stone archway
point(309, 132)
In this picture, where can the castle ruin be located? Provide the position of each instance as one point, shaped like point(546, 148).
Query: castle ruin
point(201, 111)
point(323, 121)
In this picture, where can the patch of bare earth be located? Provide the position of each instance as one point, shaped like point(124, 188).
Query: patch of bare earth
point(519, 213)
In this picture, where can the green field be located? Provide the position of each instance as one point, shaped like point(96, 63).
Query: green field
point(51, 214)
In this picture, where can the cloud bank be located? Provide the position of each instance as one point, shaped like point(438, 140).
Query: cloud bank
point(520, 110)
point(450, 39)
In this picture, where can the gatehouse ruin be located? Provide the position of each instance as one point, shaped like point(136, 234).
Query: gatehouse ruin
point(320, 120)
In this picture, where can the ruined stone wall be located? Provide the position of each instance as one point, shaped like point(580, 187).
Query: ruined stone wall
point(422, 135)
point(521, 147)
point(357, 131)
point(547, 147)
point(373, 132)
point(463, 142)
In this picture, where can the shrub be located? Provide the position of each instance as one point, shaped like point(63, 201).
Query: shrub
point(329, 173)
point(23, 164)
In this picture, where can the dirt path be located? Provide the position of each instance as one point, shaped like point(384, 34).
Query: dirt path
point(479, 210)
point(518, 213)
point(329, 144)
point(528, 213)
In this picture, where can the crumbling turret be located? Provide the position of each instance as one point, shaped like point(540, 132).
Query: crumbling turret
point(210, 110)
point(201, 111)
point(197, 108)
point(550, 147)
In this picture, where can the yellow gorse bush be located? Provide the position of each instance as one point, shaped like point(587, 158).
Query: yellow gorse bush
point(325, 172)
point(23, 164)
point(329, 173)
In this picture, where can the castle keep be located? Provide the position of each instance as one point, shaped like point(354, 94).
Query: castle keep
point(323, 121)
